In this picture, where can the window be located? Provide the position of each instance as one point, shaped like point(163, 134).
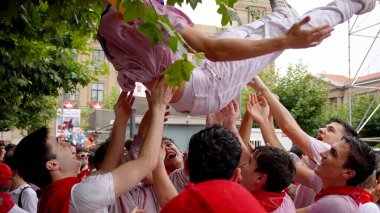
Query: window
point(98, 59)
point(97, 92)
point(334, 101)
point(71, 96)
point(254, 13)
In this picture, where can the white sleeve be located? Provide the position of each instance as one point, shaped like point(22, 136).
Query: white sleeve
point(317, 147)
point(16, 209)
point(369, 207)
point(29, 200)
point(93, 193)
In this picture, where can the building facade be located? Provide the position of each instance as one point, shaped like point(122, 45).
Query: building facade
point(339, 86)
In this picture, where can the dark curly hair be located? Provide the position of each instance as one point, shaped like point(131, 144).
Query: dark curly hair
point(214, 153)
point(277, 165)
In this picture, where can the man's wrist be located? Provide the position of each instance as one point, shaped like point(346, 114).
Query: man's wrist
point(121, 121)
point(159, 107)
point(283, 41)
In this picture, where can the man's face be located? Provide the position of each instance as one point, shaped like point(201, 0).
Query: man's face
point(331, 169)
point(331, 134)
point(67, 162)
point(173, 158)
point(251, 180)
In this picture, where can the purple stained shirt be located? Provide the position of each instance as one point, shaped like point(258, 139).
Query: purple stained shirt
point(143, 196)
point(132, 54)
point(305, 195)
point(287, 206)
point(330, 203)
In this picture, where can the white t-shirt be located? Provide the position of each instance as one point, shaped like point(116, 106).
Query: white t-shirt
point(93, 194)
point(369, 207)
point(16, 209)
point(29, 198)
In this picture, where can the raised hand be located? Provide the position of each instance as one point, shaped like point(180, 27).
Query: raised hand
point(257, 109)
point(161, 93)
point(298, 38)
point(230, 113)
point(257, 84)
point(214, 118)
point(123, 106)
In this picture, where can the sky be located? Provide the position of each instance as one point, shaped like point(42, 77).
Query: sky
point(329, 57)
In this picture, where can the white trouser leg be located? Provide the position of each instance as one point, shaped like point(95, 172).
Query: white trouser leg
point(233, 75)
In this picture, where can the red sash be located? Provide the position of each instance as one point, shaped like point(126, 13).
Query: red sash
point(353, 192)
point(365, 196)
point(56, 197)
point(7, 202)
point(270, 200)
point(84, 173)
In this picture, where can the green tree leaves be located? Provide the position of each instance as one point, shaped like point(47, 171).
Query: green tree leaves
point(39, 45)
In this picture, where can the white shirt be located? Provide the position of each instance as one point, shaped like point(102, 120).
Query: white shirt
point(93, 194)
point(16, 209)
point(369, 207)
point(29, 198)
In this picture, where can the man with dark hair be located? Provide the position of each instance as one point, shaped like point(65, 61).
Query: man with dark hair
point(347, 164)
point(312, 147)
point(347, 128)
point(267, 174)
point(214, 153)
point(174, 157)
point(49, 165)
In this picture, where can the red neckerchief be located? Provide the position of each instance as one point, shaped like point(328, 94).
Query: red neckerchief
point(84, 173)
point(269, 200)
point(365, 197)
point(353, 192)
point(56, 196)
point(7, 202)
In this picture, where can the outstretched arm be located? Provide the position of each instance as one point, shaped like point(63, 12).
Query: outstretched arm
point(231, 113)
point(245, 128)
point(239, 49)
point(129, 174)
point(122, 109)
point(259, 111)
point(283, 118)
point(163, 186)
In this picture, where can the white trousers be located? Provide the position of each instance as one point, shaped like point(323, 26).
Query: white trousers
point(214, 84)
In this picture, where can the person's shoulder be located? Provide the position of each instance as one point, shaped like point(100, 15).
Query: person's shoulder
point(17, 209)
point(335, 203)
point(369, 207)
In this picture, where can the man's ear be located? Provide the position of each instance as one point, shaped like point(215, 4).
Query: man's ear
point(52, 165)
point(348, 174)
point(261, 179)
point(236, 177)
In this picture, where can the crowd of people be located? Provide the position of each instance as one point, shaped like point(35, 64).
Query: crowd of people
point(220, 171)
